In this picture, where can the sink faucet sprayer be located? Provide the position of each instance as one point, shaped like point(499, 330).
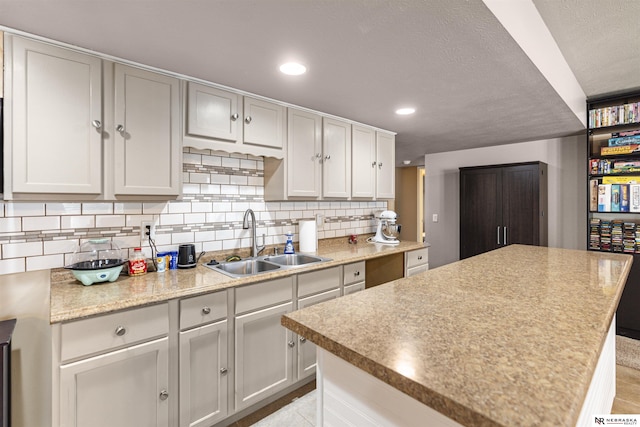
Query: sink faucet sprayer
point(255, 249)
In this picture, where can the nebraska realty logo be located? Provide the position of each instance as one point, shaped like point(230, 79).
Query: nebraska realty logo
point(618, 420)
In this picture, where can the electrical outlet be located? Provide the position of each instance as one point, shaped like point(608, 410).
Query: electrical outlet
point(147, 227)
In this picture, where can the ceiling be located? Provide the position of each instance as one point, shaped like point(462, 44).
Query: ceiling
point(470, 82)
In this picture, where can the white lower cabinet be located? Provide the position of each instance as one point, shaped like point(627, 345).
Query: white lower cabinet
point(203, 355)
point(263, 347)
point(203, 375)
point(124, 388)
point(263, 354)
point(416, 262)
point(306, 349)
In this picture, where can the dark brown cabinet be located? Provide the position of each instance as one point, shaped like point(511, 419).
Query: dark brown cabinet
point(501, 205)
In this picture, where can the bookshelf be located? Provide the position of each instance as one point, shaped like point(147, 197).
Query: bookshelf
point(613, 170)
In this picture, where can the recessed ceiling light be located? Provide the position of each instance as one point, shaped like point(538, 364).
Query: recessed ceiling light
point(293, 68)
point(405, 111)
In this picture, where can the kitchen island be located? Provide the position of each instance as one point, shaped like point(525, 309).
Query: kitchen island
point(518, 336)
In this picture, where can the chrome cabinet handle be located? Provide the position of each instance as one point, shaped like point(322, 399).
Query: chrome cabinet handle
point(234, 117)
point(97, 124)
point(120, 128)
point(498, 235)
point(327, 157)
point(206, 310)
point(303, 340)
point(120, 331)
point(164, 395)
point(373, 165)
point(223, 371)
point(291, 343)
point(380, 165)
point(247, 119)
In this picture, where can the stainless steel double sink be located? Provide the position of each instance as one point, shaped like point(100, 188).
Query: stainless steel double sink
point(265, 264)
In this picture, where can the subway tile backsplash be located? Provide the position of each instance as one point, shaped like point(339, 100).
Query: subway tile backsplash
point(217, 189)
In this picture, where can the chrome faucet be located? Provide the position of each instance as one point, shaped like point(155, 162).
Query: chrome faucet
point(255, 249)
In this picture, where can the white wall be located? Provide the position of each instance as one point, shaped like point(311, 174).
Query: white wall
point(566, 159)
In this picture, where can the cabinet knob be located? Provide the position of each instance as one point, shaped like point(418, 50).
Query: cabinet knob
point(120, 128)
point(373, 165)
point(120, 331)
point(380, 165)
point(357, 273)
point(247, 119)
point(303, 340)
point(327, 157)
point(318, 156)
point(223, 371)
point(97, 124)
point(291, 343)
point(164, 395)
point(420, 258)
point(206, 310)
point(234, 117)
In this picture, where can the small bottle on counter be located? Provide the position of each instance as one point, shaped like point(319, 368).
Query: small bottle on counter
point(137, 263)
point(161, 261)
point(288, 247)
point(173, 260)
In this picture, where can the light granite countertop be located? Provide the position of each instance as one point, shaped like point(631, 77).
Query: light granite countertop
point(506, 338)
point(71, 300)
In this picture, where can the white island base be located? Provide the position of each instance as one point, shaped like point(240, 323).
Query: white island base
point(348, 396)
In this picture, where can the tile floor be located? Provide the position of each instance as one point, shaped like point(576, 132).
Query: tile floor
point(302, 411)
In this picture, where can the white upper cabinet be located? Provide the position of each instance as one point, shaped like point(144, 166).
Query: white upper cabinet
point(53, 110)
point(218, 119)
point(213, 113)
point(304, 152)
point(148, 158)
point(336, 160)
point(264, 123)
point(386, 163)
point(363, 162)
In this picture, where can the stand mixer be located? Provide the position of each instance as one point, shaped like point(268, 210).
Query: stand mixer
point(388, 231)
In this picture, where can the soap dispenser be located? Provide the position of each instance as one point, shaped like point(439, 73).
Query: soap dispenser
point(288, 247)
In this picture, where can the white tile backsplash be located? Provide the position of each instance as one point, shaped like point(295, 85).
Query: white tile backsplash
point(217, 190)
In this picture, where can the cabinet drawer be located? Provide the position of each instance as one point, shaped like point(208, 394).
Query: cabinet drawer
point(103, 333)
point(263, 294)
point(354, 273)
point(318, 281)
point(351, 289)
point(417, 257)
point(203, 309)
point(417, 270)
point(316, 299)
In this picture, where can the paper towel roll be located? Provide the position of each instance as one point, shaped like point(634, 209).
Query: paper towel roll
point(308, 236)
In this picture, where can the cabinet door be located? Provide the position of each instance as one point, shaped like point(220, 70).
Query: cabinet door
point(54, 96)
point(363, 162)
point(124, 388)
point(386, 172)
point(203, 375)
point(148, 158)
point(264, 123)
point(304, 151)
point(480, 211)
point(264, 363)
point(307, 349)
point(520, 205)
point(212, 113)
point(336, 161)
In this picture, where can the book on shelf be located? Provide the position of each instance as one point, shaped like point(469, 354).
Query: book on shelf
point(604, 198)
point(624, 197)
point(634, 197)
point(627, 179)
point(624, 140)
point(615, 197)
point(625, 133)
point(624, 166)
point(619, 149)
point(614, 115)
point(593, 195)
